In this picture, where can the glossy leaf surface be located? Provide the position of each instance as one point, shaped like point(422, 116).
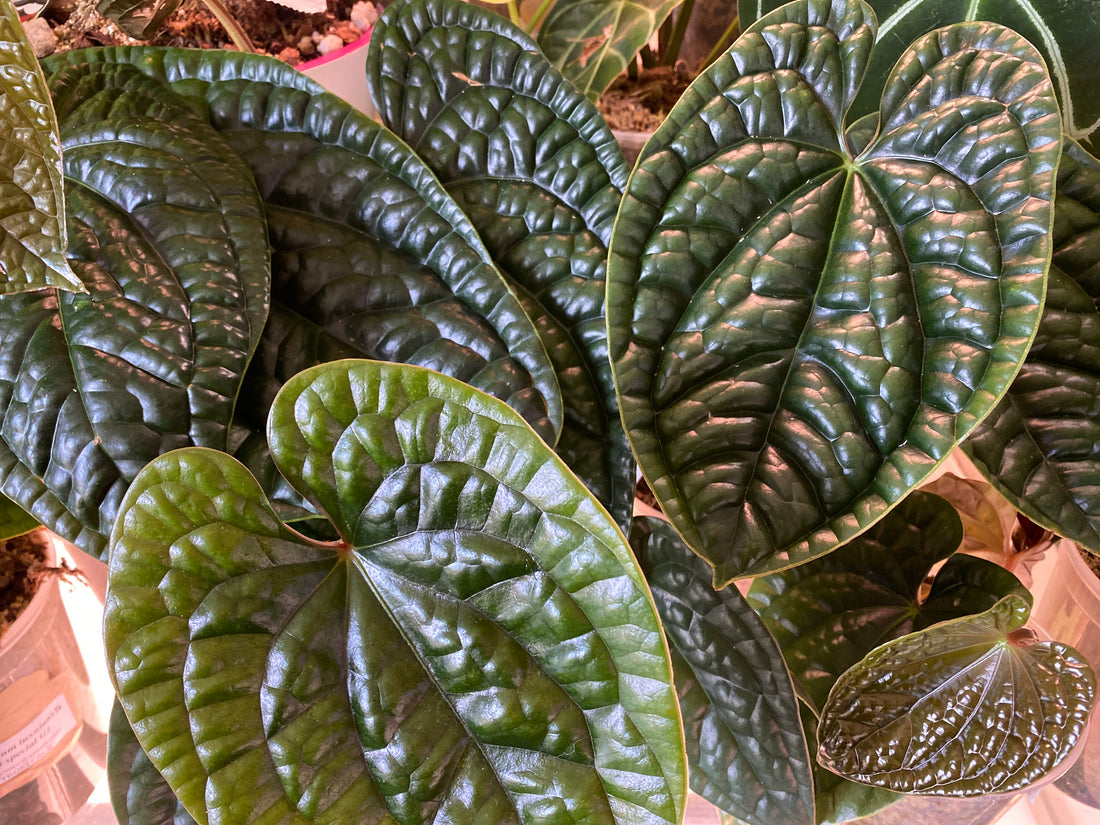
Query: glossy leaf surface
point(139, 794)
point(167, 234)
point(479, 646)
point(370, 257)
point(348, 279)
point(1064, 31)
point(540, 175)
point(32, 227)
point(746, 750)
point(800, 335)
point(829, 613)
point(966, 707)
point(593, 41)
point(838, 800)
point(1039, 445)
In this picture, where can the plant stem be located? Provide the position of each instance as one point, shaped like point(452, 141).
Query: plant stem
point(676, 38)
point(232, 27)
point(540, 12)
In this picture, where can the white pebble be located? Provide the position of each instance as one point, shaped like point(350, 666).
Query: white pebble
point(330, 43)
point(363, 15)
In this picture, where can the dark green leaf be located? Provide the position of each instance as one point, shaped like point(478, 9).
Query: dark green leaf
point(479, 645)
point(829, 613)
point(139, 794)
point(167, 233)
point(1064, 31)
point(1039, 445)
point(963, 708)
point(799, 335)
point(747, 753)
point(32, 232)
point(540, 175)
point(369, 254)
point(593, 42)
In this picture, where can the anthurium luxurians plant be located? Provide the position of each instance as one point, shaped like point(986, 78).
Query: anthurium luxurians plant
point(802, 328)
point(805, 313)
point(478, 645)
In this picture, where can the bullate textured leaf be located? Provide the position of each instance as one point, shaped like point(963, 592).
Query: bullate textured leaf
point(966, 707)
point(746, 750)
point(478, 645)
point(802, 329)
point(32, 225)
point(1064, 31)
point(532, 163)
point(1039, 445)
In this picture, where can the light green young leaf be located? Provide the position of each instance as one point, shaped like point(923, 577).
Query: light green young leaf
point(32, 208)
point(480, 641)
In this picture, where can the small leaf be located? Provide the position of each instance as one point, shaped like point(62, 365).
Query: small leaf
point(746, 750)
point(138, 18)
point(800, 335)
point(593, 41)
point(831, 612)
point(14, 520)
point(32, 227)
point(478, 644)
point(966, 707)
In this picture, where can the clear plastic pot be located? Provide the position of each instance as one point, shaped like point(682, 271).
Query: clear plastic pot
point(55, 696)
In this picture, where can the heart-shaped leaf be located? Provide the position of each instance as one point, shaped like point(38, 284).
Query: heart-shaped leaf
point(801, 334)
point(480, 643)
point(32, 228)
point(1064, 31)
point(533, 164)
point(831, 612)
point(1039, 445)
point(747, 752)
point(167, 233)
point(966, 707)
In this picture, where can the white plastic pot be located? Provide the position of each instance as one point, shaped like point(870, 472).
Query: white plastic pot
point(55, 695)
